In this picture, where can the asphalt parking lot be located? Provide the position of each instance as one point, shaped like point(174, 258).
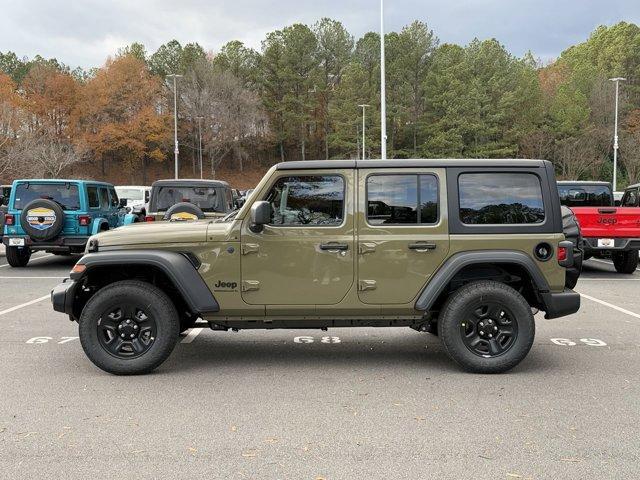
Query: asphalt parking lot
point(342, 404)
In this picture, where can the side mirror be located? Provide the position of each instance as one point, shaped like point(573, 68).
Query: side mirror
point(122, 203)
point(260, 216)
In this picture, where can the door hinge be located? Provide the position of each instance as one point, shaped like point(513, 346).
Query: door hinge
point(250, 285)
point(366, 248)
point(248, 248)
point(364, 285)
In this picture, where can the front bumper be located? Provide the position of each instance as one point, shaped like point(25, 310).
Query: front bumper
point(619, 245)
point(561, 304)
point(63, 295)
point(59, 244)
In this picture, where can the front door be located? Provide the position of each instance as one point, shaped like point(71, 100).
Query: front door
point(402, 234)
point(305, 256)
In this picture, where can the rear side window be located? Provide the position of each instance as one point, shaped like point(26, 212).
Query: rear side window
point(402, 199)
point(92, 193)
point(500, 199)
point(307, 200)
point(64, 194)
point(585, 195)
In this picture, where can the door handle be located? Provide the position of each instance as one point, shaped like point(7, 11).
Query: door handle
point(334, 247)
point(422, 247)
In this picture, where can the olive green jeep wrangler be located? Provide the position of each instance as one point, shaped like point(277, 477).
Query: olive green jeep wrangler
point(464, 249)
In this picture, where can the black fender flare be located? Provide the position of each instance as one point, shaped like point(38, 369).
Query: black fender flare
point(178, 268)
point(457, 262)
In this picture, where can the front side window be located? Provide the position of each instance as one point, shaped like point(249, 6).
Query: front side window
point(500, 199)
point(92, 193)
point(402, 199)
point(104, 198)
point(307, 200)
point(114, 198)
point(133, 194)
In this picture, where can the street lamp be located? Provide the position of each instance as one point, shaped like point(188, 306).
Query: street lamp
point(364, 108)
point(200, 143)
point(175, 118)
point(617, 81)
point(383, 88)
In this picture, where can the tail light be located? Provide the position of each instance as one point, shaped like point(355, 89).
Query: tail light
point(9, 219)
point(149, 218)
point(84, 220)
point(562, 254)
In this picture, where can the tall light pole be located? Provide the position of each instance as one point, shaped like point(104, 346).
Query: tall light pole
point(200, 143)
point(176, 151)
point(383, 88)
point(617, 81)
point(364, 127)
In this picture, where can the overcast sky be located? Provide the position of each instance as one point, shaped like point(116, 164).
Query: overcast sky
point(84, 32)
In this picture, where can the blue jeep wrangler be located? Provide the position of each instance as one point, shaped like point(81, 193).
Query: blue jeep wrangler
point(58, 216)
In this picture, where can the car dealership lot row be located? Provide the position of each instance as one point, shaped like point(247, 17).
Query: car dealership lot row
point(345, 403)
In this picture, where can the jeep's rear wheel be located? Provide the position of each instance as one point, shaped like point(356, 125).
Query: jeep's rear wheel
point(625, 262)
point(487, 327)
point(18, 257)
point(129, 328)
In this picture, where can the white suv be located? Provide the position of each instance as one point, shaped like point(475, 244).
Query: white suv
point(137, 198)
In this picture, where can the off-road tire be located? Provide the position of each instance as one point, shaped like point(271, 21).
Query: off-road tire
point(625, 262)
point(18, 257)
point(145, 295)
point(462, 303)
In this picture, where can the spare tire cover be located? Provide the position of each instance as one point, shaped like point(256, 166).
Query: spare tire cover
point(42, 219)
point(571, 231)
point(184, 211)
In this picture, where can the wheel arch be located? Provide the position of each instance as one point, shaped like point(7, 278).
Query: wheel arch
point(469, 266)
point(173, 272)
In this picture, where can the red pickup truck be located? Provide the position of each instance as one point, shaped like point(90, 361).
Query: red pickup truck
point(607, 230)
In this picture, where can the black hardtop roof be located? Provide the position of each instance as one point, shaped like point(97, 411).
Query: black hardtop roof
point(189, 182)
point(582, 182)
point(417, 163)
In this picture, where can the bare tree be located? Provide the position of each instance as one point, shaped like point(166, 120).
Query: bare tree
point(630, 155)
point(233, 117)
point(42, 155)
point(579, 157)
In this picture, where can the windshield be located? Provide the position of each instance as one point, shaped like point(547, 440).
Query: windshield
point(64, 194)
point(580, 195)
point(208, 199)
point(130, 193)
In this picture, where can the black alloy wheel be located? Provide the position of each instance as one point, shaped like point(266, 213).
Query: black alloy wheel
point(126, 331)
point(489, 329)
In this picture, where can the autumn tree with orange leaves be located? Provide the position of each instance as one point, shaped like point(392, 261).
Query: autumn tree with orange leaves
point(121, 117)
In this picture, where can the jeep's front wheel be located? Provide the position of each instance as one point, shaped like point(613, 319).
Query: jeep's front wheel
point(18, 257)
point(487, 327)
point(129, 328)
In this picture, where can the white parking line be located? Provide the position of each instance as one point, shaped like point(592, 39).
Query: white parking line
point(33, 259)
point(191, 336)
point(611, 305)
point(22, 305)
point(604, 279)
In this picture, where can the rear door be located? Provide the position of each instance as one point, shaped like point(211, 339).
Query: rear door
point(403, 232)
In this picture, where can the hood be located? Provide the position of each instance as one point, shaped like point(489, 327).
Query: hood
point(163, 232)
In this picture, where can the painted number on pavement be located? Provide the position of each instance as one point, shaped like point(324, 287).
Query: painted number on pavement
point(592, 342)
point(60, 341)
point(306, 339)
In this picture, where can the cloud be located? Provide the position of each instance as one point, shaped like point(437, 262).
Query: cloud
point(85, 33)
